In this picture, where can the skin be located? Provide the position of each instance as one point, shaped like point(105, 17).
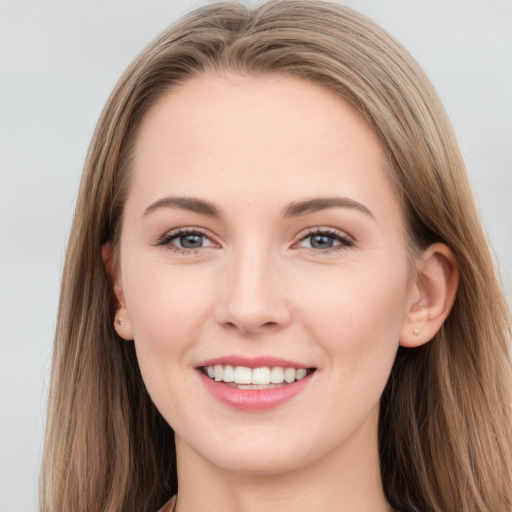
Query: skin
point(251, 147)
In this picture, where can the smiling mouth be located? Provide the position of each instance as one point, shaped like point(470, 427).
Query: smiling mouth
point(243, 377)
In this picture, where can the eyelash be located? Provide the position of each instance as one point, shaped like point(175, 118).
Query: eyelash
point(345, 241)
point(167, 239)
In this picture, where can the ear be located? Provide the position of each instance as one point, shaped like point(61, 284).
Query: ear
point(432, 295)
point(122, 322)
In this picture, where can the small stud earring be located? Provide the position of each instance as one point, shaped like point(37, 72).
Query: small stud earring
point(119, 321)
point(415, 332)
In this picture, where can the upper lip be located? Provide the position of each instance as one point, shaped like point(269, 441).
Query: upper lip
point(252, 362)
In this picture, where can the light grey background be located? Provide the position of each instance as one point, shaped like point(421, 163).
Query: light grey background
point(59, 61)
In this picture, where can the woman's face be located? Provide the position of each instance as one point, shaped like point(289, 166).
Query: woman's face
point(261, 232)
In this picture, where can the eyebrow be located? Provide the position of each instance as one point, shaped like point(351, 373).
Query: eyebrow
point(184, 203)
point(294, 209)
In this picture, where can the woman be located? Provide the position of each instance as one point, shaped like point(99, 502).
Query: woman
point(277, 291)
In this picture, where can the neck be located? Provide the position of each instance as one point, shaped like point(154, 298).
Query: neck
point(346, 480)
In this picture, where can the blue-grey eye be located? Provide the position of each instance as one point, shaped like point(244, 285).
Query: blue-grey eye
point(322, 241)
point(190, 240)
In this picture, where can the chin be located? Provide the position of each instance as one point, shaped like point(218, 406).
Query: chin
point(259, 463)
point(250, 456)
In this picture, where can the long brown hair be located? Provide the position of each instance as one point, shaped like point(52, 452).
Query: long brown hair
point(445, 423)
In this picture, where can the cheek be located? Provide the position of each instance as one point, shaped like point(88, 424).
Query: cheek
point(356, 313)
point(166, 309)
point(168, 313)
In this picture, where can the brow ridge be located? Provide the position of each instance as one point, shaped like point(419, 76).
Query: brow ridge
point(184, 203)
point(294, 209)
point(308, 206)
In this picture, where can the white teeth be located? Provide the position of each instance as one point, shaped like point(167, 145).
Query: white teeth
point(300, 374)
point(229, 374)
point(256, 376)
point(277, 375)
point(218, 372)
point(261, 376)
point(289, 375)
point(243, 375)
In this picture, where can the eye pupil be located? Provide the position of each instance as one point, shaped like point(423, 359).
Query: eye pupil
point(191, 241)
point(321, 242)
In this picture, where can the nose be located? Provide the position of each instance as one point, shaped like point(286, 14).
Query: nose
point(252, 296)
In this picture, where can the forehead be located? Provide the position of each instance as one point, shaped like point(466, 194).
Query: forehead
point(228, 108)
point(270, 137)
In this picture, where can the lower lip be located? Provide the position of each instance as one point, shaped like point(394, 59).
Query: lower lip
point(254, 400)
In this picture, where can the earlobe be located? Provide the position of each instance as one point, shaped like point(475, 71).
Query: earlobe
point(122, 322)
point(123, 325)
point(432, 296)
